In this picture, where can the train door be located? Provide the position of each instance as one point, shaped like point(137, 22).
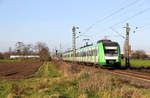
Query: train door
point(93, 56)
point(96, 53)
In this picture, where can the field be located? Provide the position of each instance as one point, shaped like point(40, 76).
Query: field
point(63, 80)
point(138, 63)
point(17, 70)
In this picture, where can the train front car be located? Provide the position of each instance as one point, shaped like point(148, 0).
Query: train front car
point(110, 54)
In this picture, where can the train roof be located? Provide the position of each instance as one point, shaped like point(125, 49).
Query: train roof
point(105, 43)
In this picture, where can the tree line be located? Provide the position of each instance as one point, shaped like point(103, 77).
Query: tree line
point(139, 54)
point(20, 48)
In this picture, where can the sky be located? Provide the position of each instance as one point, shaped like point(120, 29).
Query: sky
point(51, 21)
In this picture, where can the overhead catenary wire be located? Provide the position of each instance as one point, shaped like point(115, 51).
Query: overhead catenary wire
point(111, 14)
point(137, 14)
point(143, 27)
point(129, 18)
point(118, 33)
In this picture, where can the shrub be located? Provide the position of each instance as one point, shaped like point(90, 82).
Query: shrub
point(139, 54)
point(1, 56)
point(44, 55)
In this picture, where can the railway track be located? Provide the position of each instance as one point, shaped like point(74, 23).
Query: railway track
point(132, 75)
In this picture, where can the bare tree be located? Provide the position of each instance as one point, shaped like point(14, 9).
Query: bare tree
point(40, 45)
point(19, 47)
point(28, 49)
point(6, 55)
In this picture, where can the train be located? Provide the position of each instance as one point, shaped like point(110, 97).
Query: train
point(104, 53)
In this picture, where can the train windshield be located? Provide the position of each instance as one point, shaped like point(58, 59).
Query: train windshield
point(111, 50)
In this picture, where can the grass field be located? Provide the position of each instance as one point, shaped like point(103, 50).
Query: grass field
point(61, 80)
point(28, 60)
point(138, 63)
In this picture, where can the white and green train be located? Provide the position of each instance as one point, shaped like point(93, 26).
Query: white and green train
point(104, 53)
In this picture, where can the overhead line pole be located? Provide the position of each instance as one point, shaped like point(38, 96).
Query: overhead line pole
point(74, 40)
point(127, 47)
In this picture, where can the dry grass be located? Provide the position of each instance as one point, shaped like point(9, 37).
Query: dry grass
point(66, 68)
point(93, 84)
point(107, 86)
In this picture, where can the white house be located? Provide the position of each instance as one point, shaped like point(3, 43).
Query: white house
point(22, 56)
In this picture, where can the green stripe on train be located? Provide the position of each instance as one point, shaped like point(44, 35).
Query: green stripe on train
point(101, 55)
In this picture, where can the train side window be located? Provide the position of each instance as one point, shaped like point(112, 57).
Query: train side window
point(83, 53)
point(88, 52)
point(95, 52)
point(92, 52)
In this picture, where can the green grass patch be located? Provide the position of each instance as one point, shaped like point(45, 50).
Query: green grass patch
point(138, 63)
point(46, 71)
point(18, 60)
point(9, 61)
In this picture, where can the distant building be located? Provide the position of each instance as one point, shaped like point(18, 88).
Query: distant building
point(24, 57)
